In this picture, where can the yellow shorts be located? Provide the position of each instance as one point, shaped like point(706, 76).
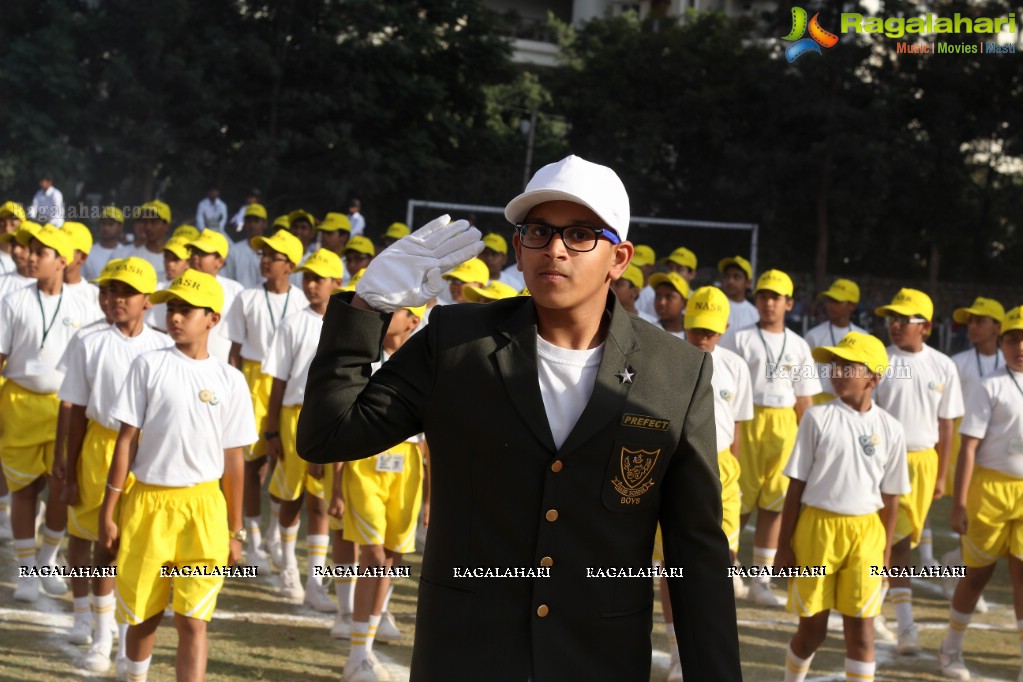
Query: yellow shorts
point(994, 509)
point(28, 431)
point(291, 475)
point(328, 491)
point(173, 527)
point(259, 388)
point(765, 443)
point(914, 505)
point(92, 469)
point(953, 457)
point(382, 506)
point(847, 547)
point(822, 398)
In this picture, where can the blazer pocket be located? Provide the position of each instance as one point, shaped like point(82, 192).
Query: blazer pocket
point(633, 472)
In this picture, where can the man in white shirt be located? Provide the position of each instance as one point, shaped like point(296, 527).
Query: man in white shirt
point(48, 203)
point(212, 211)
point(355, 217)
point(237, 223)
point(841, 299)
point(736, 276)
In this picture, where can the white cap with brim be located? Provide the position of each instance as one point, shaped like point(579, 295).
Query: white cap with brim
point(574, 179)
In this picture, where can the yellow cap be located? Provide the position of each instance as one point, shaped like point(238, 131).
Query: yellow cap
point(281, 222)
point(23, 235)
point(178, 246)
point(333, 222)
point(50, 236)
point(161, 210)
point(1013, 320)
point(418, 311)
point(644, 255)
point(361, 244)
point(674, 279)
point(633, 275)
point(186, 232)
point(856, 347)
point(193, 287)
point(137, 273)
point(496, 242)
point(683, 257)
point(301, 214)
point(397, 231)
point(256, 211)
point(105, 272)
point(12, 208)
point(80, 236)
point(323, 262)
point(282, 241)
point(211, 241)
point(494, 291)
point(472, 270)
point(843, 290)
point(708, 308)
point(908, 302)
point(986, 307)
point(736, 261)
point(353, 281)
point(112, 213)
point(776, 281)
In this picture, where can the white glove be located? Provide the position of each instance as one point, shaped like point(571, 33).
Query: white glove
point(408, 273)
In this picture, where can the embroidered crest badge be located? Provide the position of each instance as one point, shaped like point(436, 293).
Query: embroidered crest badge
point(636, 467)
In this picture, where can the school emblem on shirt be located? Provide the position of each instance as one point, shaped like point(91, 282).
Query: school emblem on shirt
point(69, 322)
point(869, 443)
point(636, 467)
point(936, 386)
point(208, 396)
point(726, 395)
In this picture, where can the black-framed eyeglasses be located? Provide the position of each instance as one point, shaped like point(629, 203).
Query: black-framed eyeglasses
point(575, 237)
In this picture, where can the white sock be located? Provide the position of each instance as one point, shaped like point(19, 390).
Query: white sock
point(957, 624)
point(275, 519)
point(51, 543)
point(926, 546)
point(360, 632)
point(902, 599)
point(669, 629)
point(374, 623)
point(345, 589)
point(80, 606)
point(316, 549)
point(763, 556)
point(122, 640)
point(289, 536)
point(25, 552)
point(103, 618)
point(387, 599)
point(796, 668)
point(138, 670)
point(859, 671)
point(251, 525)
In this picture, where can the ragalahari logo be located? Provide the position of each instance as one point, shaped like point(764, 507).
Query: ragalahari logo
point(819, 37)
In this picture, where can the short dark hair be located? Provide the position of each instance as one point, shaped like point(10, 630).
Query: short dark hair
point(354, 203)
point(46, 176)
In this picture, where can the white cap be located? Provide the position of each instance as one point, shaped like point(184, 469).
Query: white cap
point(574, 179)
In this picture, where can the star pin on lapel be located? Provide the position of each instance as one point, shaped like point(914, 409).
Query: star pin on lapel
point(626, 376)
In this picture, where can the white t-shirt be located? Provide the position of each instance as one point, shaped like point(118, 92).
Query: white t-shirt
point(97, 365)
point(219, 343)
point(973, 366)
point(12, 281)
point(291, 352)
point(919, 389)
point(566, 379)
point(733, 394)
point(156, 316)
point(994, 412)
point(794, 372)
point(100, 255)
point(189, 411)
point(31, 362)
point(242, 265)
point(827, 334)
point(255, 315)
point(740, 316)
point(76, 340)
point(86, 289)
point(6, 263)
point(848, 458)
point(155, 259)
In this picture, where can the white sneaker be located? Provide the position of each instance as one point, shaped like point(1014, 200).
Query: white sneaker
point(6, 534)
point(739, 588)
point(122, 668)
point(982, 605)
point(952, 665)
point(366, 670)
point(909, 641)
point(388, 631)
point(81, 629)
point(53, 585)
point(316, 598)
point(675, 673)
point(882, 632)
point(291, 584)
point(342, 626)
point(27, 589)
point(98, 658)
point(762, 595)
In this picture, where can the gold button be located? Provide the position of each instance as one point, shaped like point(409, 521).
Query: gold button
point(552, 515)
point(547, 562)
point(542, 610)
point(556, 466)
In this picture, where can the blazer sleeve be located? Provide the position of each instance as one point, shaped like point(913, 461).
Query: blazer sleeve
point(350, 413)
point(702, 601)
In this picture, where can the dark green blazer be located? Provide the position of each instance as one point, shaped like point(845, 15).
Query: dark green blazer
point(504, 497)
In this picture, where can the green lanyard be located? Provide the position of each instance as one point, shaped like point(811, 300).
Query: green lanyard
point(767, 351)
point(266, 294)
point(42, 313)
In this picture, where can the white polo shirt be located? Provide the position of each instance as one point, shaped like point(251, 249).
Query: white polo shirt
point(189, 411)
point(291, 352)
point(733, 394)
point(827, 334)
point(255, 316)
point(918, 389)
point(794, 371)
point(848, 459)
point(994, 413)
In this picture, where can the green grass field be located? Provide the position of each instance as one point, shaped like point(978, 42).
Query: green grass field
point(257, 637)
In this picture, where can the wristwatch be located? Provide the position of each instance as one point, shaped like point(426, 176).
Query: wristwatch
point(270, 435)
point(240, 535)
